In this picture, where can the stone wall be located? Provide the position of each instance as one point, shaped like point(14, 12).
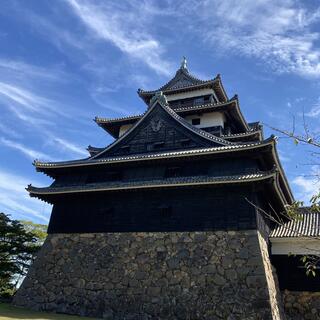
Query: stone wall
point(177, 275)
point(302, 305)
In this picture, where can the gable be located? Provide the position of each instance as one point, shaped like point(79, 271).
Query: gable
point(182, 79)
point(159, 131)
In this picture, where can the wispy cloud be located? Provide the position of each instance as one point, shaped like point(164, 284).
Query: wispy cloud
point(9, 131)
point(315, 110)
point(283, 157)
point(30, 153)
point(23, 97)
point(308, 185)
point(69, 146)
point(15, 200)
point(19, 69)
point(279, 33)
point(27, 105)
point(124, 31)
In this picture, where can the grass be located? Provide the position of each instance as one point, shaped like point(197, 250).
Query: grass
point(9, 312)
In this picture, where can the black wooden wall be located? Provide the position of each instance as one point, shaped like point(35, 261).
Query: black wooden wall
point(161, 170)
point(174, 209)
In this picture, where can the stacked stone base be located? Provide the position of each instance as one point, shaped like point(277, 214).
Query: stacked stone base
point(185, 275)
point(302, 305)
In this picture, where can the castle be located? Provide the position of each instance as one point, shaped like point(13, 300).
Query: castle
point(164, 222)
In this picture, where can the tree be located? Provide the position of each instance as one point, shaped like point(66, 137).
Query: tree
point(18, 247)
point(311, 262)
point(39, 230)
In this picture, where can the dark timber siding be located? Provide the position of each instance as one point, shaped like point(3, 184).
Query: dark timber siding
point(292, 274)
point(176, 209)
point(143, 172)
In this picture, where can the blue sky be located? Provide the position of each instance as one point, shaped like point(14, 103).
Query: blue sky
point(64, 62)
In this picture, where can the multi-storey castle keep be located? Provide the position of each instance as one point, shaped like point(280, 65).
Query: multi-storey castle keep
point(162, 223)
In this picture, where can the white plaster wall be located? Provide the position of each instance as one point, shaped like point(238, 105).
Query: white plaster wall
point(295, 246)
point(124, 128)
point(210, 119)
point(190, 94)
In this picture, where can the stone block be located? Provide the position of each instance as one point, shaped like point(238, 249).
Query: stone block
point(195, 275)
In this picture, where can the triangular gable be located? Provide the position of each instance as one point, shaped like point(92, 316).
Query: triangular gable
point(160, 129)
point(180, 80)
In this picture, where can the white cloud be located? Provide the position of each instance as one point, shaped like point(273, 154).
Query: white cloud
point(124, 30)
point(278, 32)
point(20, 70)
point(69, 146)
point(21, 96)
point(9, 131)
point(27, 105)
point(15, 200)
point(315, 110)
point(308, 185)
point(30, 153)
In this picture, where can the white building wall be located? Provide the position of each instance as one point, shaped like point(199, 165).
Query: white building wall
point(300, 246)
point(189, 94)
point(210, 119)
point(124, 128)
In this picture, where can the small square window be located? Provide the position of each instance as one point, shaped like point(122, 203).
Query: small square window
point(196, 121)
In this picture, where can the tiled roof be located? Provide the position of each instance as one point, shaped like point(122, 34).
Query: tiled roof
point(143, 156)
point(239, 134)
point(94, 150)
point(107, 120)
point(182, 79)
point(254, 126)
point(115, 185)
point(308, 225)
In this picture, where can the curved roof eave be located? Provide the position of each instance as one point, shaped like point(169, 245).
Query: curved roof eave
point(160, 155)
point(174, 182)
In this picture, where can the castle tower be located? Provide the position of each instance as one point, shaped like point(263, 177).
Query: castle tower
point(162, 223)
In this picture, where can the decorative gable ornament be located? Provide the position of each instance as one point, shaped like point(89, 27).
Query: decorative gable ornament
point(156, 124)
point(159, 97)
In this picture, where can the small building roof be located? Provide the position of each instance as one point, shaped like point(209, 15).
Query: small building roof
point(307, 225)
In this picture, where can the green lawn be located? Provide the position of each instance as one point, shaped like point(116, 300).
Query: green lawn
point(9, 312)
